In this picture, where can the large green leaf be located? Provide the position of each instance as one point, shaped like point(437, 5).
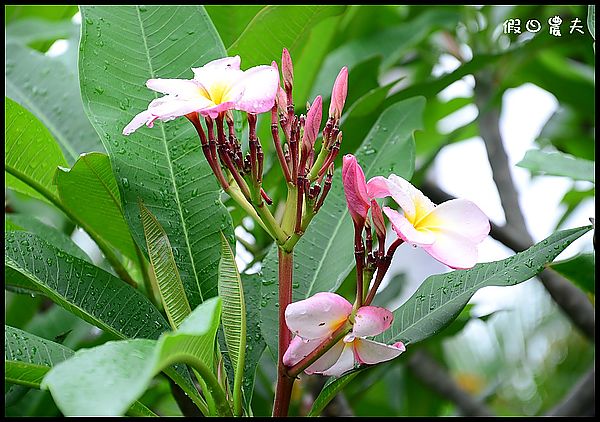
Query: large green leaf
point(31, 155)
point(234, 317)
point(256, 48)
point(116, 373)
point(580, 269)
point(90, 192)
point(324, 255)
point(47, 88)
point(121, 48)
point(50, 234)
point(230, 20)
point(165, 270)
point(558, 164)
point(87, 291)
point(390, 44)
point(440, 298)
point(40, 32)
point(28, 357)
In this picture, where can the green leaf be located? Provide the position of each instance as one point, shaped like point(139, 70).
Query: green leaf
point(51, 13)
point(48, 233)
point(49, 90)
point(87, 291)
point(165, 270)
point(324, 256)
point(441, 297)
point(116, 373)
point(90, 192)
point(330, 389)
point(28, 357)
point(390, 44)
point(256, 48)
point(255, 343)
point(580, 269)
point(231, 21)
point(163, 166)
point(234, 317)
point(31, 155)
point(558, 164)
point(38, 33)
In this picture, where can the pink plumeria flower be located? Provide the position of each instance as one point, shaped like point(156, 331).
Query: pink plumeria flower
point(358, 192)
point(217, 86)
point(315, 319)
point(449, 232)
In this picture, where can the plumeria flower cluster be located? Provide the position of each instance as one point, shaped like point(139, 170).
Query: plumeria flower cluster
point(221, 86)
point(330, 333)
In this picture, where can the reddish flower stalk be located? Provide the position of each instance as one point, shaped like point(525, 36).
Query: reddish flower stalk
point(382, 266)
point(278, 149)
point(214, 165)
point(223, 154)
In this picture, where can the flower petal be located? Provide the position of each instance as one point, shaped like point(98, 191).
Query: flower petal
point(407, 231)
point(460, 216)
point(372, 352)
point(371, 320)
point(258, 87)
point(355, 189)
point(145, 117)
point(182, 87)
point(299, 349)
point(412, 201)
point(377, 187)
point(318, 316)
point(327, 360)
point(171, 106)
point(344, 363)
point(453, 250)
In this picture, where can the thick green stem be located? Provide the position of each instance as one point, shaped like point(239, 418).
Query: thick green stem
point(288, 222)
point(212, 384)
point(284, 381)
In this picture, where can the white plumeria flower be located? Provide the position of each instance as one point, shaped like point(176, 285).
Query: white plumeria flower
point(315, 319)
point(449, 232)
point(217, 86)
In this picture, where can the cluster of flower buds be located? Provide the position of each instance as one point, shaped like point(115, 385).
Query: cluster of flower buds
point(297, 152)
point(221, 86)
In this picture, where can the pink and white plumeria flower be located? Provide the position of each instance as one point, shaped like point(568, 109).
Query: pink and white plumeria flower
point(218, 86)
point(315, 319)
point(449, 232)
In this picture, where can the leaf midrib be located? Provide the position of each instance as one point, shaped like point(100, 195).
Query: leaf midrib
point(170, 166)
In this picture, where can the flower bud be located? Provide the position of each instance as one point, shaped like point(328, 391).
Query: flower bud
point(287, 69)
point(378, 220)
point(281, 101)
point(313, 122)
point(355, 189)
point(339, 93)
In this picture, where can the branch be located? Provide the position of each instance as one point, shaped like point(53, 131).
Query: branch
point(489, 129)
point(438, 379)
point(581, 399)
point(568, 297)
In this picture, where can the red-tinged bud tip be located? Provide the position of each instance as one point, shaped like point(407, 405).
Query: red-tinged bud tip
point(287, 69)
point(339, 93)
point(313, 122)
point(274, 65)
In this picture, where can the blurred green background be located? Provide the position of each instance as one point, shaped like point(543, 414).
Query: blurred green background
point(515, 354)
